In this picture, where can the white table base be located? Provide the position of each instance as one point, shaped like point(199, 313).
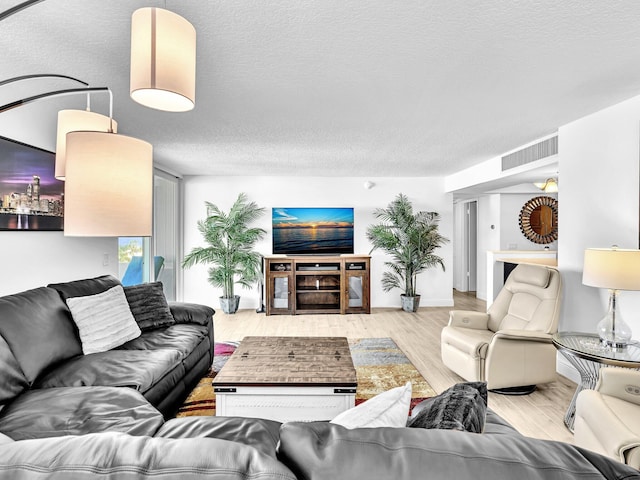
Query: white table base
point(284, 403)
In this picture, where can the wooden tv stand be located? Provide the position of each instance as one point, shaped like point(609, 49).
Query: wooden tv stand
point(317, 284)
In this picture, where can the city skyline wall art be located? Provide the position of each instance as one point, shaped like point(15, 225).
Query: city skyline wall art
point(31, 198)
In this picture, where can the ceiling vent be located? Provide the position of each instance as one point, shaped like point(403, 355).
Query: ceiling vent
point(529, 154)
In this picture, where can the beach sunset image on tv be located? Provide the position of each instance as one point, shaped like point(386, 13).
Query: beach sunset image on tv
point(312, 230)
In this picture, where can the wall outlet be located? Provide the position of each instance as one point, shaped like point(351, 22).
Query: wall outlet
point(512, 246)
point(105, 259)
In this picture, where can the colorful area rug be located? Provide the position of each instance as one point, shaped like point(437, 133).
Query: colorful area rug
point(379, 362)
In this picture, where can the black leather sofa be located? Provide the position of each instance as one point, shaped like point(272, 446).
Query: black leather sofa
point(101, 423)
point(233, 448)
point(48, 387)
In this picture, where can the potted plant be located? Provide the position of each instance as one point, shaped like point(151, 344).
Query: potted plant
point(230, 249)
point(410, 239)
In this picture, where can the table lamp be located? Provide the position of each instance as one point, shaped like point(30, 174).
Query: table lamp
point(615, 269)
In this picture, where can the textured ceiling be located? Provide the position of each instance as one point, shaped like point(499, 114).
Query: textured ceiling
point(343, 87)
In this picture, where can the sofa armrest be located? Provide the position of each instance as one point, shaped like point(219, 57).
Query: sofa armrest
point(468, 319)
point(604, 426)
point(620, 383)
point(527, 335)
point(191, 313)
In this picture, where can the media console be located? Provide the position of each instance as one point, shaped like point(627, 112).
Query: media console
point(317, 284)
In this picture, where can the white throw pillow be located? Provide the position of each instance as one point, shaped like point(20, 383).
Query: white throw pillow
point(388, 409)
point(104, 320)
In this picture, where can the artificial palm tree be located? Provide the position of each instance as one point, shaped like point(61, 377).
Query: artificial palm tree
point(410, 239)
point(230, 248)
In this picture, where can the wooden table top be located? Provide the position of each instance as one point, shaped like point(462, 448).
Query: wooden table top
point(289, 361)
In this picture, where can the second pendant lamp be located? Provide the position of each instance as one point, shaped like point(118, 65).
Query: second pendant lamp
point(74, 120)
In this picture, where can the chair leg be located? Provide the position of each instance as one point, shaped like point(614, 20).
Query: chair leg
point(524, 390)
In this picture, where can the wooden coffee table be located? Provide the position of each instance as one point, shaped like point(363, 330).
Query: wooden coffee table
point(287, 379)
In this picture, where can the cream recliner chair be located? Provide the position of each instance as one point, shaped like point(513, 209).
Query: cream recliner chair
point(607, 419)
point(510, 346)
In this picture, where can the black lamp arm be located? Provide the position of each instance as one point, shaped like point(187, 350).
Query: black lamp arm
point(18, 8)
point(59, 93)
point(40, 75)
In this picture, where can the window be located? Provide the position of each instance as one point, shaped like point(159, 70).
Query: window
point(135, 253)
point(166, 230)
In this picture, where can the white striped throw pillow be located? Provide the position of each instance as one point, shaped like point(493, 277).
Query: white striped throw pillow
point(104, 320)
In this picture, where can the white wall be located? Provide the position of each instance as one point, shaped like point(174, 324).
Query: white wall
point(435, 286)
point(33, 259)
point(489, 224)
point(598, 207)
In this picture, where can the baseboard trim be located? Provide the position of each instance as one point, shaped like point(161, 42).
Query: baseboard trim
point(564, 368)
point(436, 302)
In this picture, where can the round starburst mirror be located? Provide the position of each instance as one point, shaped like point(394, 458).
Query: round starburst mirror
point(539, 220)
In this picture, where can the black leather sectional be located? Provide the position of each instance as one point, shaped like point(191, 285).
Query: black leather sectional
point(65, 415)
point(48, 387)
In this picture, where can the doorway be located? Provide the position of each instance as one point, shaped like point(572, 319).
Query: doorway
point(470, 250)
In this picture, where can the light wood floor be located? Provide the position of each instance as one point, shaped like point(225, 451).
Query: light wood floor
point(418, 335)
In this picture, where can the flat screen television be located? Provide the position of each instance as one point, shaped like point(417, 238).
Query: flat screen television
point(312, 231)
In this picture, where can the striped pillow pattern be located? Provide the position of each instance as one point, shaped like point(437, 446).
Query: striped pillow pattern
point(148, 305)
point(104, 320)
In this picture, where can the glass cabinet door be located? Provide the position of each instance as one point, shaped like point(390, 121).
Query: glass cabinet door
point(279, 293)
point(356, 292)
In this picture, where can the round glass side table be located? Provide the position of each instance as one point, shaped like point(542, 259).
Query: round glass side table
point(588, 355)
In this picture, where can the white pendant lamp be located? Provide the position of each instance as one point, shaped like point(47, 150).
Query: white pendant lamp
point(163, 60)
point(74, 120)
point(109, 185)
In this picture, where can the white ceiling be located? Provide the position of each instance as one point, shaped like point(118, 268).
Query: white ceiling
point(343, 87)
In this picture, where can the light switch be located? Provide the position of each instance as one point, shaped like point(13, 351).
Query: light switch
point(105, 259)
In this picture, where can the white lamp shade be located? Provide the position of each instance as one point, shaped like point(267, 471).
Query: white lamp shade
point(74, 120)
point(612, 268)
point(163, 60)
point(109, 186)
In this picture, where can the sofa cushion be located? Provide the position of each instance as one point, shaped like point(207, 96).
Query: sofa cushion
point(12, 380)
point(261, 434)
point(82, 288)
point(138, 369)
point(388, 409)
point(77, 411)
point(104, 320)
point(385, 453)
point(184, 338)
point(192, 341)
point(460, 407)
point(149, 305)
point(115, 455)
point(38, 329)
